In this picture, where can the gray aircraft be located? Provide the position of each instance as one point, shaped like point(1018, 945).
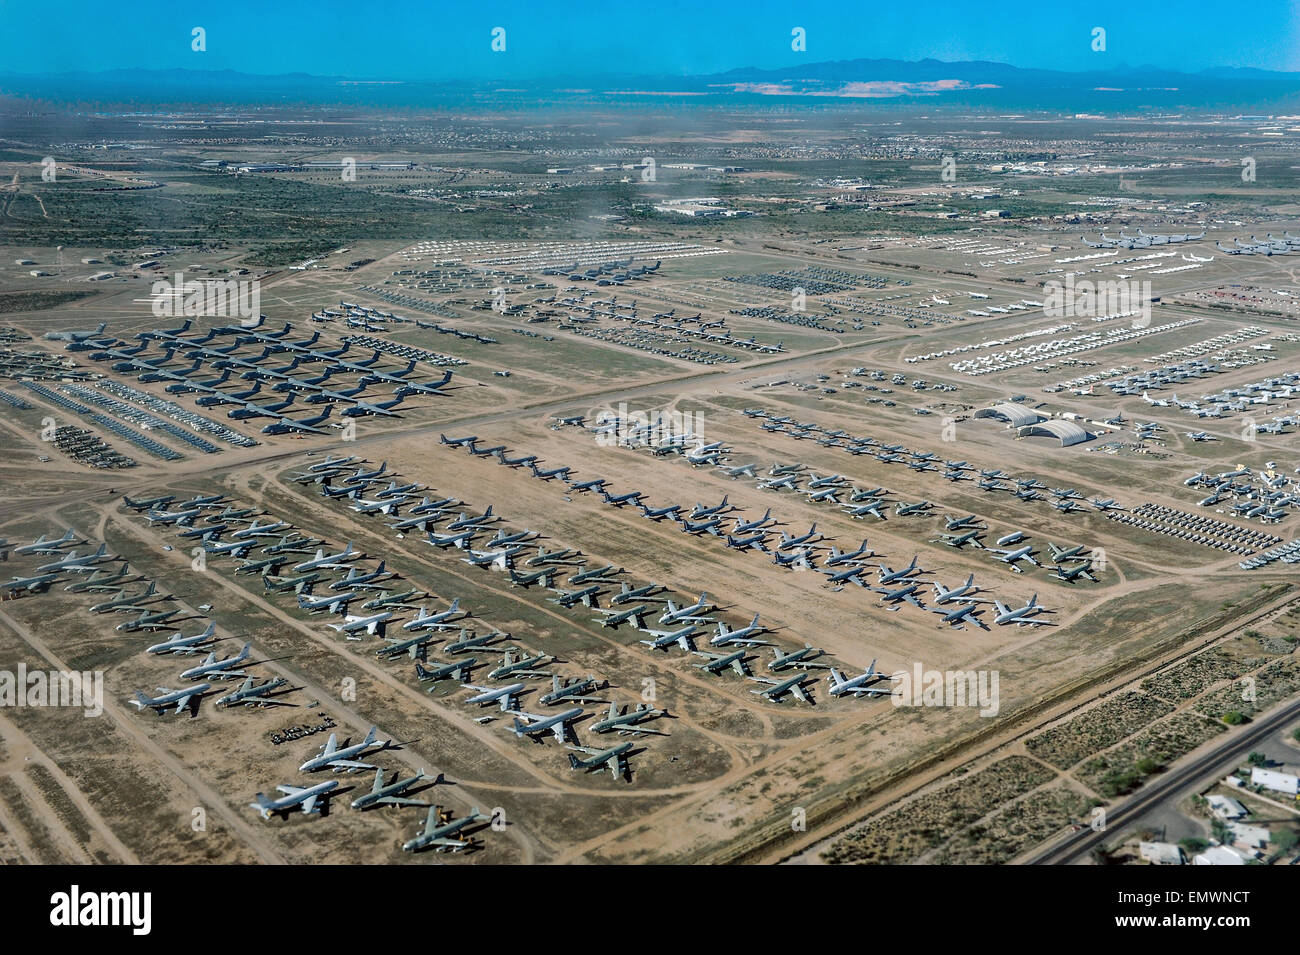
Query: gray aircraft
point(524, 666)
point(777, 690)
point(572, 690)
point(341, 760)
point(615, 618)
point(615, 758)
point(663, 639)
point(557, 725)
point(457, 671)
point(906, 592)
point(442, 620)
point(78, 565)
point(745, 635)
point(308, 798)
point(392, 794)
point(1025, 616)
point(416, 647)
point(334, 603)
point(966, 591)
point(859, 685)
point(182, 699)
point(804, 658)
point(44, 545)
point(695, 613)
point(250, 694)
point(103, 584)
point(960, 614)
point(218, 669)
point(182, 644)
point(1011, 557)
point(959, 541)
point(33, 584)
point(736, 660)
point(506, 696)
point(468, 641)
point(624, 721)
point(148, 621)
point(586, 596)
point(322, 561)
point(372, 624)
point(441, 835)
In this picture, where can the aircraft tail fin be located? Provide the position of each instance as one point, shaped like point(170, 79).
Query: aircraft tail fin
point(573, 762)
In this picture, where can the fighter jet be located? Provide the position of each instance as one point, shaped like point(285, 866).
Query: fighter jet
point(441, 836)
point(183, 699)
point(392, 794)
point(341, 760)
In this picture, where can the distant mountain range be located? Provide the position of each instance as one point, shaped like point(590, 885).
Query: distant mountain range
point(966, 84)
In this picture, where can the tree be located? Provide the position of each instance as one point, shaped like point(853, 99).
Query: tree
point(1233, 718)
point(1257, 759)
point(1284, 840)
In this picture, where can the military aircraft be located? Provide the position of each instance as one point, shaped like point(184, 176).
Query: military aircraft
point(469, 641)
point(906, 592)
point(307, 798)
point(32, 584)
point(557, 725)
point(506, 696)
point(79, 565)
point(663, 639)
point(736, 660)
point(804, 659)
point(888, 575)
point(457, 671)
point(103, 584)
point(1021, 616)
point(392, 794)
point(572, 690)
point(334, 603)
point(322, 561)
point(148, 621)
point(185, 645)
point(859, 685)
point(626, 721)
point(614, 618)
point(744, 635)
point(218, 669)
point(695, 613)
point(615, 758)
point(372, 624)
point(441, 836)
point(1011, 557)
point(957, 615)
point(524, 666)
point(44, 545)
point(341, 760)
point(777, 690)
point(442, 620)
point(183, 699)
point(253, 695)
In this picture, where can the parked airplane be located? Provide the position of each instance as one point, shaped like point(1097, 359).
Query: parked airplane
point(859, 685)
point(393, 793)
point(341, 760)
point(308, 798)
point(1021, 616)
point(184, 699)
point(218, 669)
point(185, 645)
point(557, 725)
point(442, 835)
point(615, 758)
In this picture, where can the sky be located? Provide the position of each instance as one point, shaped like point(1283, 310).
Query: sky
point(430, 40)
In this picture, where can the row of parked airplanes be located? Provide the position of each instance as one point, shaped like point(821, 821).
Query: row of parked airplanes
point(427, 627)
point(1142, 240)
point(958, 605)
point(440, 832)
point(1270, 245)
point(683, 626)
point(280, 382)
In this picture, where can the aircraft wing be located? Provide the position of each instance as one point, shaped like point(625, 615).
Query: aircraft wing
point(349, 764)
point(453, 844)
point(801, 693)
point(309, 804)
point(401, 801)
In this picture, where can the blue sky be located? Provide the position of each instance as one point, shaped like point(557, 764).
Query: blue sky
point(447, 41)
